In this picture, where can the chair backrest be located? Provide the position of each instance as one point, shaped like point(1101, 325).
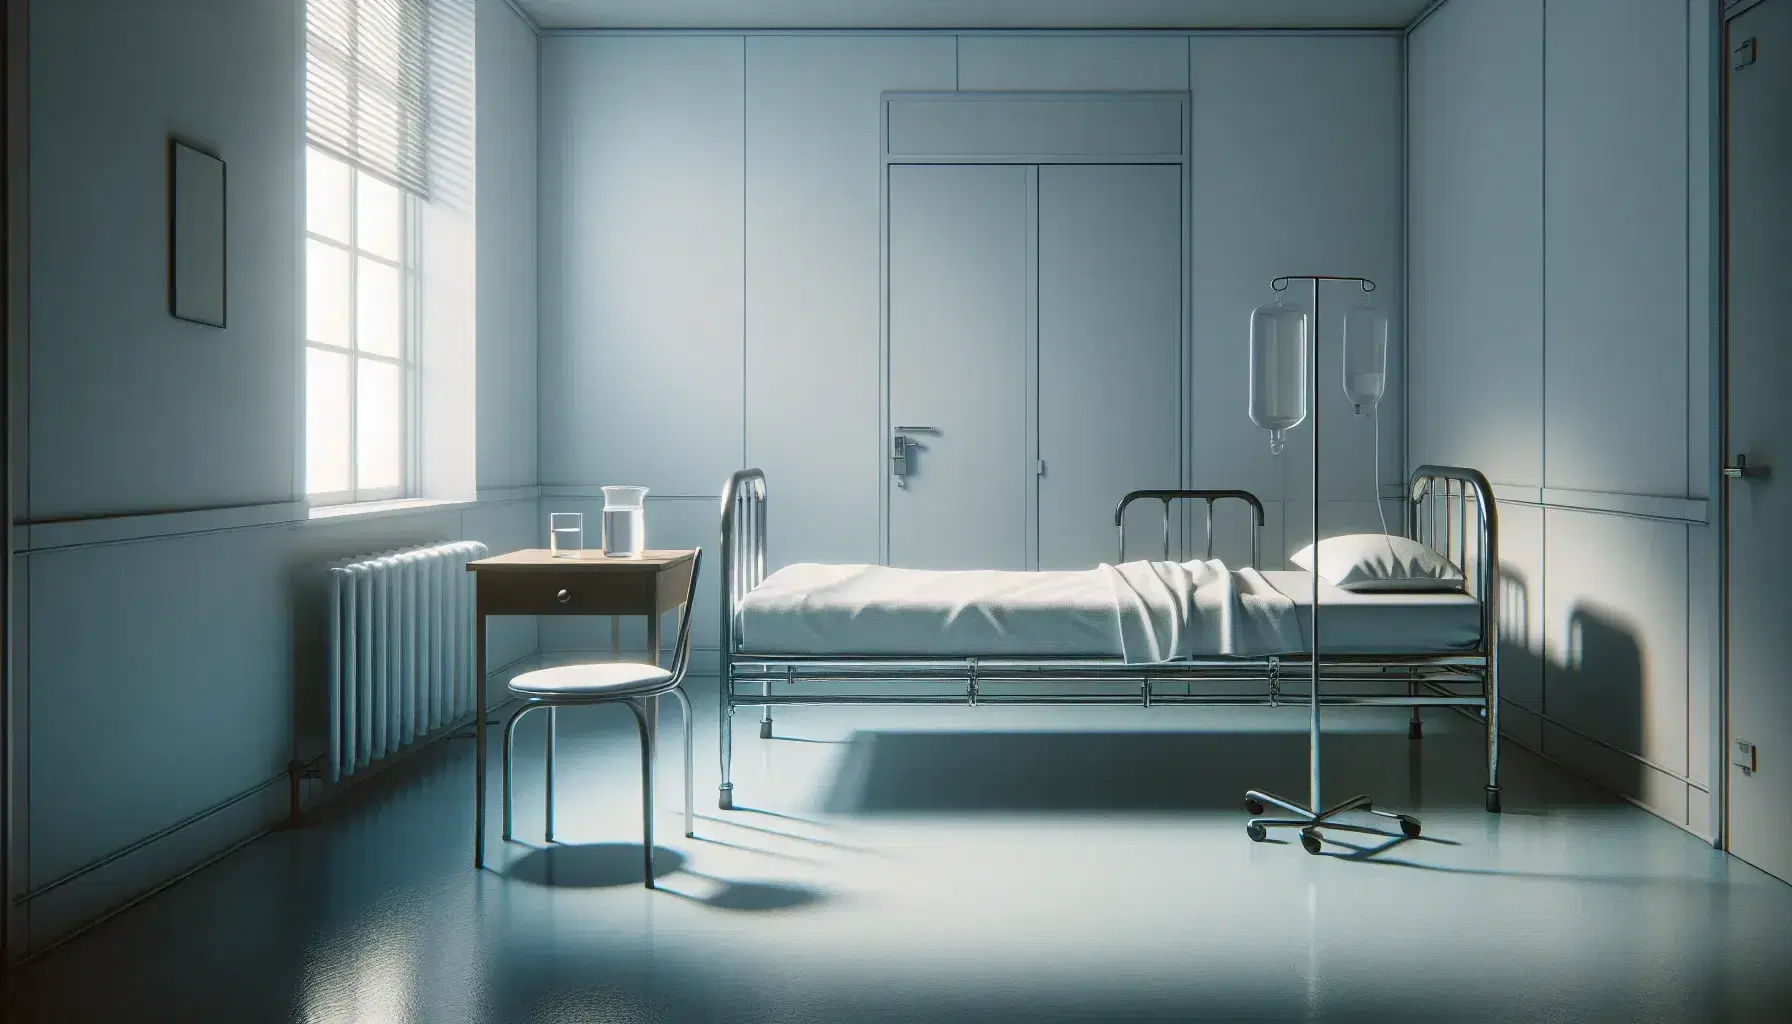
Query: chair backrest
point(682, 659)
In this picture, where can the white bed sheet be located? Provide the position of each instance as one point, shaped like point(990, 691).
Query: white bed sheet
point(875, 611)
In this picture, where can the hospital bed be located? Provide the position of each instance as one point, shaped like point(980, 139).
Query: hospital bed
point(824, 634)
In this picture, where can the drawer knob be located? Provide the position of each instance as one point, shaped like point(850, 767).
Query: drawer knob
point(563, 596)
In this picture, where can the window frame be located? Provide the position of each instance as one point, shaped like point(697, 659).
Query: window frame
point(409, 357)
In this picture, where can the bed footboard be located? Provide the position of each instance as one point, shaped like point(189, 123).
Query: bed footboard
point(743, 567)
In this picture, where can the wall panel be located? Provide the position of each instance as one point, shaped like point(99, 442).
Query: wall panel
point(1615, 246)
point(1522, 622)
point(1615, 600)
point(1475, 238)
point(183, 703)
point(641, 261)
point(132, 409)
point(1073, 63)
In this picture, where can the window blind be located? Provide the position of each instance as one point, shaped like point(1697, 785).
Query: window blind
point(389, 87)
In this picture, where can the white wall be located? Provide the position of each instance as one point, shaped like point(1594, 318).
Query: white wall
point(710, 257)
point(507, 111)
point(1561, 287)
point(166, 662)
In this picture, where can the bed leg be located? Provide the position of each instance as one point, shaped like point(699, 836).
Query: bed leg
point(725, 798)
point(1415, 728)
point(1493, 756)
point(765, 712)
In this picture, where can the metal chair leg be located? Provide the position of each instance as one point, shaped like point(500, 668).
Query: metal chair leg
point(509, 742)
point(690, 752)
point(553, 720)
point(646, 789)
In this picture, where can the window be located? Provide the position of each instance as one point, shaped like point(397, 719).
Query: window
point(390, 270)
point(360, 350)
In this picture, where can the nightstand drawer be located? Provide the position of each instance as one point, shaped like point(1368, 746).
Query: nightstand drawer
point(566, 593)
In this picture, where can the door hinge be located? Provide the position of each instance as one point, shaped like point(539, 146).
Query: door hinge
point(1040, 471)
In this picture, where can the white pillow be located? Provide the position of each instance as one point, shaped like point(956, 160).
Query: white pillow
point(1378, 561)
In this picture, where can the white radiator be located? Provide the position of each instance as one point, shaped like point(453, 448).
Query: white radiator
point(400, 650)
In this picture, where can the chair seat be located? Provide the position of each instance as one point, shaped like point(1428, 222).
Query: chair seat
point(600, 680)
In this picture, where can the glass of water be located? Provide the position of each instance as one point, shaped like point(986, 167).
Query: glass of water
point(566, 534)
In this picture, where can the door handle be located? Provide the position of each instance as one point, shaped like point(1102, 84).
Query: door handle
point(1743, 469)
point(899, 448)
point(899, 459)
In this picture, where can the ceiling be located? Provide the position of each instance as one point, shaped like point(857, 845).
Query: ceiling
point(970, 14)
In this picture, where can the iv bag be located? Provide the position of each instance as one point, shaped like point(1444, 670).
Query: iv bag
point(1278, 370)
point(1365, 356)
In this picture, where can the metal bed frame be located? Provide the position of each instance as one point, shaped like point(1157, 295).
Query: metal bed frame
point(1440, 502)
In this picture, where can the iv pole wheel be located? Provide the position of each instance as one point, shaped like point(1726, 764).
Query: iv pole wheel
point(1252, 806)
point(1309, 838)
point(1409, 826)
point(1257, 833)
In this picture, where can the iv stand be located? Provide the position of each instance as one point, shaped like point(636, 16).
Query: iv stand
point(1310, 818)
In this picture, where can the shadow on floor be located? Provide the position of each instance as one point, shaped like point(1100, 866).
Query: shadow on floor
point(610, 865)
point(1140, 772)
point(751, 897)
point(591, 865)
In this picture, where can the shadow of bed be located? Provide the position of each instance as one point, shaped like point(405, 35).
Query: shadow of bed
point(900, 772)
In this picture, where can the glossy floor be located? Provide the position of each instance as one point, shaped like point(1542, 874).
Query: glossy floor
point(1011, 864)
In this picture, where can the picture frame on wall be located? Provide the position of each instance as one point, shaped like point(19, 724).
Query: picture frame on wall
point(197, 242)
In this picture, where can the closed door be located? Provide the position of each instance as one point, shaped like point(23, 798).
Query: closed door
point(959, 299)
point(1110, 313)
point(1759, 379)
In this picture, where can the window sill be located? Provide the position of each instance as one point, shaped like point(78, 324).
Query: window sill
point(375, 509)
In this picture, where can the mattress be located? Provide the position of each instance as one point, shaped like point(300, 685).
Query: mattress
point(812, 609)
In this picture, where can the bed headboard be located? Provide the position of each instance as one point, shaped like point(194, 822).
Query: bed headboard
point(1452, 509)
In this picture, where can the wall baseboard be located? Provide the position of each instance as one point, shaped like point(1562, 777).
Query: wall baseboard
point(91, 897)
point(1598, 763)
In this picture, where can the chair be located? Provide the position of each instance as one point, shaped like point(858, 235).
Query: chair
point(612, 683)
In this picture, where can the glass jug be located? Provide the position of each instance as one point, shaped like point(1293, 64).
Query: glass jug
point(625, 523)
